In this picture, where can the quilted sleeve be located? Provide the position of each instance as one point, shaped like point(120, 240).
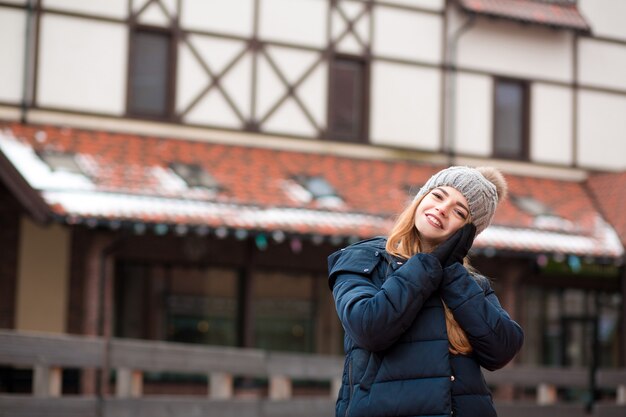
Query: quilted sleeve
point(375, 316)
point(494, 336)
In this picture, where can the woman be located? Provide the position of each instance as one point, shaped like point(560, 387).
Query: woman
point(419, 322)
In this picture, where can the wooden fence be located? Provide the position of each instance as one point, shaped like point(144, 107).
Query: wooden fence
point(47, 355)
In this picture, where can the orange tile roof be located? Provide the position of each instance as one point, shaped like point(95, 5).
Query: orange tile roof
point(129, 174)
point(560, 15)
point(609, 190)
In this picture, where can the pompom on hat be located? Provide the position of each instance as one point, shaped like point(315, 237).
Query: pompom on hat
point(483, 187)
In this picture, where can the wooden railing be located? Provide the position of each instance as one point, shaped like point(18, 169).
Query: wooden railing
point(47, 355)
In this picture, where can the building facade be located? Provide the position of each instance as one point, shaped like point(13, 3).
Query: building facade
point(180, 169)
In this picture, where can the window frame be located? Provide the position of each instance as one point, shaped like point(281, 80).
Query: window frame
point(524, 154)
point(170, 87)
point(363, 135)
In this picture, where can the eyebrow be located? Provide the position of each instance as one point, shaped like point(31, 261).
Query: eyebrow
point(448, 195)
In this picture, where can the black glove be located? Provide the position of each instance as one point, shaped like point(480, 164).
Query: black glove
point(456, 247)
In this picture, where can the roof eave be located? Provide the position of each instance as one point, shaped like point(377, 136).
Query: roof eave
point(30, 199)
point(577, 29)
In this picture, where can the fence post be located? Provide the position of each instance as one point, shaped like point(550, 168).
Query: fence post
point(546, 394)
point(621, 394)
point(47, 381)
point(129, 383)
point(221, 386)
point(335, 386)
point(280, 387)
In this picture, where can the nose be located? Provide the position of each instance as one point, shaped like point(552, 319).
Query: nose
point(442, 209)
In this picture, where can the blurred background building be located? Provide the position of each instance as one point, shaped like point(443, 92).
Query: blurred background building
point(179, 170)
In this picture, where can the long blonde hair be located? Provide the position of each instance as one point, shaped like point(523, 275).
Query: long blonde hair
point(404, 242)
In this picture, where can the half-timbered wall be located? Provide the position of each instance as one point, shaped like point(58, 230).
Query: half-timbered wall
point(602, 86)
point(13, 27)
point(551, 130)
point(265, 66)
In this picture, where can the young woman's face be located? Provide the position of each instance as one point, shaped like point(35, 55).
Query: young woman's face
point(442, 211)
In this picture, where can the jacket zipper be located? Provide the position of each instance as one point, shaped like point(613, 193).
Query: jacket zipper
point(350, 384)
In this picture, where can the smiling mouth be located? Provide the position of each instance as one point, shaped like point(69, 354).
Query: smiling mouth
point(434, 221)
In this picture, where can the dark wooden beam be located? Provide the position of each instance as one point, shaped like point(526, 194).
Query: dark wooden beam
point(29, 198)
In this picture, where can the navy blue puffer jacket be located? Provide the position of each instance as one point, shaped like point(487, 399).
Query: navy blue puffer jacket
point(397, 358)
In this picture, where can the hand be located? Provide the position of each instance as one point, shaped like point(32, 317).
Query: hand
point(456, 247)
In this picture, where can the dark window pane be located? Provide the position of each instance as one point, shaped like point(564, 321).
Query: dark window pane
point(509, 134)
point(284, 311)
point(347, 94)
point(61, 162)
point(195, 175)
point(149, 73)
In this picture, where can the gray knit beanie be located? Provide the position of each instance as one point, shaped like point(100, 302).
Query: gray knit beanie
point(481, 194)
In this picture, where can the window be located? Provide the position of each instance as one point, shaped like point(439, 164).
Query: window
point(531, 206)
point(176, 303)
point(195, 176)
point(59, 161)
point(150, 73)
point(307, 189)
point(510, 119)
point(284, 311)
point(347, 107)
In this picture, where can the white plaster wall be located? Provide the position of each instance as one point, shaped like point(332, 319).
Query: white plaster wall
point(474, 114)
point(405, 106)
point(108, 8)
point(349, 43)
point(234, 17)
point(82, 64)
point(551, 124)
point(602, 64)
point(289, 118)
point(42, 281)
point(154, 15)
point(12, 40)
point(302, 22)
point(601, 130)
point(213, 109)
point(516, 50)
point(403, 34)
point(191, 77)
point(294, 64)
point(606, 17)
point(16, 1)
point(423, 4)
point(170, 6)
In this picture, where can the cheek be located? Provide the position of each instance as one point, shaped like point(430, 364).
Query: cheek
point(455, 225)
